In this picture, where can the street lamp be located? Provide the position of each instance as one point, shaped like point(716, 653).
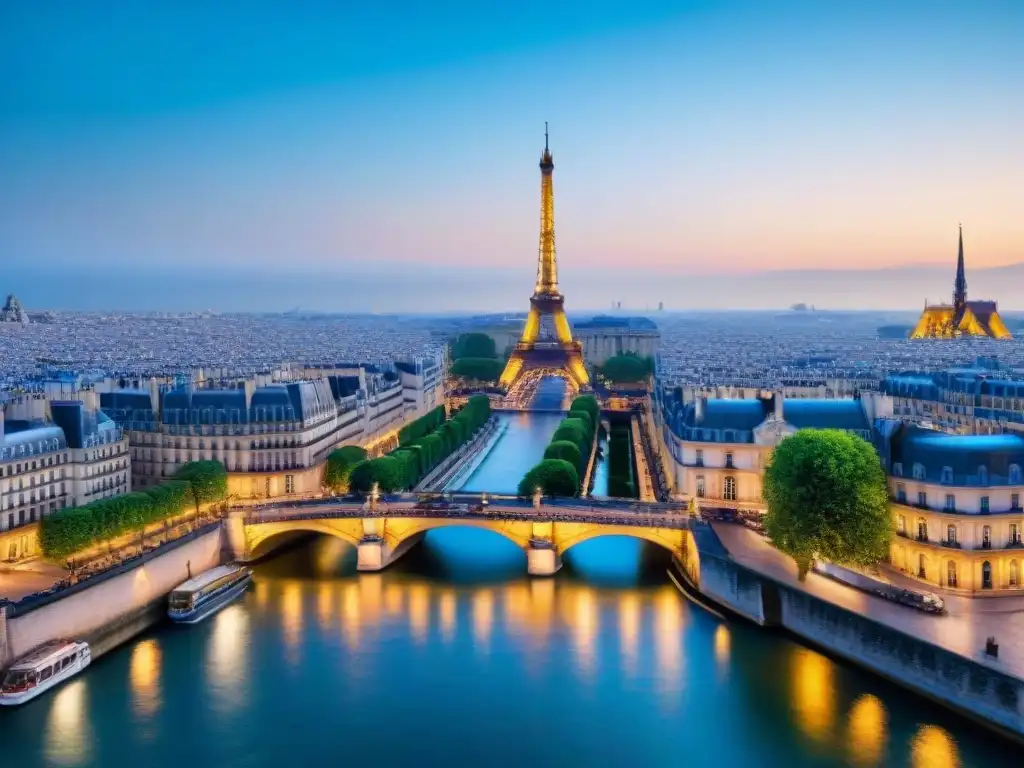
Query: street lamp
point(538, 494)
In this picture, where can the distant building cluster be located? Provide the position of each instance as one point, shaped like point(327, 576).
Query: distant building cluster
point(13, 311)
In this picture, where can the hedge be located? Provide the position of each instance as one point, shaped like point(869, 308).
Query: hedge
point(208, 480)
point(76, 528)
point(340, 463)
point(422, 427)
point(627, 368)
point(477, 368)
point(621, 483)
point(570, 444)
point(555, 477)
point(414, 459)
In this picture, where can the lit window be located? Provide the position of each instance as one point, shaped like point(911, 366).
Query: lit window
point(729, 489)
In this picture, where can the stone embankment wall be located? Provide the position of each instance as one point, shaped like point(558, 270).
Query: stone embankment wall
point(110, 606)
point(975, 688)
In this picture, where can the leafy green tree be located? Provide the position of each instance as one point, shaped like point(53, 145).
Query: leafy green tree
point(208, 479)
point(565, 450)
point(470, 345)
point(387, 471)
point(575, 431)
point(628, 368)
point(589, 405)
point(477, 368)
point(340, 463)
point(556, 477)
point(826, 494)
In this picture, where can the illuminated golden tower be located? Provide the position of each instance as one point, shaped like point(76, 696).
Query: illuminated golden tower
point(962, 317)
point(534, 351)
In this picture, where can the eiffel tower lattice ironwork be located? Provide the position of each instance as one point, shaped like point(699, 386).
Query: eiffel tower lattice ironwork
point(562, 351)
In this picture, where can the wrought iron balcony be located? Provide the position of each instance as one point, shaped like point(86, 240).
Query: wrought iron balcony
point(951, 543)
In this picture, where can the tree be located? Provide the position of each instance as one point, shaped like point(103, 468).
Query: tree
point(340, 463)
point(387, 471)
point(477, 368)
point(208, 479)
point(469, 345)
point(555, 477)
point(589, 405)
point(826, 494)
point(572, 431)
point(627, 368)
point(565, 450)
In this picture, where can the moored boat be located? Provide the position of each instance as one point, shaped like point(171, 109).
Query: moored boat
point(207, 593)
point(46, 667)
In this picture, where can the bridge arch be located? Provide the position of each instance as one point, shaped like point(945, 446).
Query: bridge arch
point(399, 530)
point(263, 538)
point(668, 538)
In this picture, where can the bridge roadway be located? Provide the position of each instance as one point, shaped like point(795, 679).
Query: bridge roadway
point(385, 530)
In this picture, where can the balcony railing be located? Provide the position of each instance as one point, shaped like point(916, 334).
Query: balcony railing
point(951, 543)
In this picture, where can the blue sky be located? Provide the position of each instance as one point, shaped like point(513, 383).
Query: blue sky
point(389, 139)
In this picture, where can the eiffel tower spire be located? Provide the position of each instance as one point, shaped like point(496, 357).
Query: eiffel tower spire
point(547, 266)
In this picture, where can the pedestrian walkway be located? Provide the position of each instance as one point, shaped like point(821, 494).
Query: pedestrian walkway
point(963, 629)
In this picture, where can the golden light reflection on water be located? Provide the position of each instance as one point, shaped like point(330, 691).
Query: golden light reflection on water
point(629, 631)
point(867, 733)
point(226, 657)
point(668, 632)
point(291, 616)
point(393, 598)
point(447, 615)
point(262, 589)
point(419, 611)
point(483, 617)
point(352, 601)
point(723, 647)
point(325, 602)
point(584, 622)
point(144, 676)
point(814, 693)
point(934, 747)
point(68, 739)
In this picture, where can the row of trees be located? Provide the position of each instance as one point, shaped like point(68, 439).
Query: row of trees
point(564, 465)
point(475, 357)
point(76, 528)
point(621, 474)
point(340, 464)
point(404, 467)
point(422, 427)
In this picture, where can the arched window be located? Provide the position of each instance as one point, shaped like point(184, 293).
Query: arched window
point(947, 475)
point(982, 475)
point(950, 574)
point(1014, 474)
point(918, 471)
point(986, 575)
point(1014, 574)
point(729, 489)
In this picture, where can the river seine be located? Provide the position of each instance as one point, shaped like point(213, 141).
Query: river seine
point(455, 658)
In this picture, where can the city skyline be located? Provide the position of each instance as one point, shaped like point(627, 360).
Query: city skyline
point(705, 141)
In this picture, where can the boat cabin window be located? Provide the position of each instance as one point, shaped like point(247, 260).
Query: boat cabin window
point(181, 600)
point(18, 679)
point(45, 674)
point(66, 662)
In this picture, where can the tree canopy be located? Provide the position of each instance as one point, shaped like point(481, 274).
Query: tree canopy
point(555, 477)
point(826, 494)
point(563, 449)
point(340, 463)
point(627, 368)
point(474, 345)
point(208, 480)
point(478, 368)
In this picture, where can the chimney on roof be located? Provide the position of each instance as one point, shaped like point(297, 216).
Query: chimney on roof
point(778, 399)
point(698, 408)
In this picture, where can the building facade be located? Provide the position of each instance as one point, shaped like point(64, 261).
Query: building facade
point(964, 401)
point(54, 455)
point(273, 438)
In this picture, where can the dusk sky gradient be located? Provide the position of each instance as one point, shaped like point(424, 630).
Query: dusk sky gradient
point(690, 138)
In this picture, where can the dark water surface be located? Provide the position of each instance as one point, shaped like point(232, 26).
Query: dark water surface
point(455, 658)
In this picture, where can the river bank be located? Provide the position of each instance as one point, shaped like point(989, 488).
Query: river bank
point(939, 657)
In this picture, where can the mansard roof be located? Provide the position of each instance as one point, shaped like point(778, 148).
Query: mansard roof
point(826, 414)
point(972, 460)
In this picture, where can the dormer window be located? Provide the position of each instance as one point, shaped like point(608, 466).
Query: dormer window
point(897, 469)
point(1014, 474)
point(982, 475)
point(918, 471)
point(947, 475)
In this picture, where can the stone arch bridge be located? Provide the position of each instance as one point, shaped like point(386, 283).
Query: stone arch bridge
point(385, 534)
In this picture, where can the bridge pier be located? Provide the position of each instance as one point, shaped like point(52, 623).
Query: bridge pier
point(376, 555)
point(542, 558)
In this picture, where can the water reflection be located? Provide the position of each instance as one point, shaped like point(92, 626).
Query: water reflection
point(144, 676)
point(629, 631)
point(68, 741)
point(583, 618)
point(447, 615)
point(419, 611)
point(291, 617)
point(867, 733)
point(227, 663)
point(934, 747)
point(723, 641)
point(814, 695)
point(483, 619)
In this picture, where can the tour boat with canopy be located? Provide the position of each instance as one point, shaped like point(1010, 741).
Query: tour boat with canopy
point(197, 598)
point(47, 666)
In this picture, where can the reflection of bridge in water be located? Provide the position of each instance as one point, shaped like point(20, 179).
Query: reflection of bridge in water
point(385, 531)
point(527, 393)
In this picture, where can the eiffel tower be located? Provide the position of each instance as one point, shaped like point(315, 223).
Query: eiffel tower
point(547, 341)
